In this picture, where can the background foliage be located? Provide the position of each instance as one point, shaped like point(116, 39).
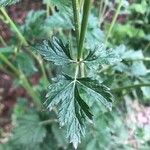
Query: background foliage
point(116, 55)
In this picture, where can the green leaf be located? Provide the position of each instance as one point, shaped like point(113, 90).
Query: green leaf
point(139, 72)
point(73, 110)
point(62, 5)
point(4, 3)
point(29, 132)
point(59, 20)
point(96, 91)
point(99, 57)
point(55, 51)
point(26, 64)
point(8, 49)
point(31, 29)
point(94, 35)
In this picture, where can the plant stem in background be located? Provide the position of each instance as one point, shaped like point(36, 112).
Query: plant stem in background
point(13, 68)
point(48, 8)
point(86, 11)
point(114, 20)
point(2, 41)
point(130, 87)
point(146, 47)
point(23, 40)
point(21, 37)
point(43, 70)
point(24, 80)
point(75, 6)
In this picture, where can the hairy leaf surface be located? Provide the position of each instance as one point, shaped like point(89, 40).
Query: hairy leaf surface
point(73, 110)
point(55, 51)
point(8, 2)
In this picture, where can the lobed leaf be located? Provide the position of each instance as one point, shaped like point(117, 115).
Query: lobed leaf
point(4, 3)
point(29, 130)
point(98, 57)
point(55, 51)
point(73, 110)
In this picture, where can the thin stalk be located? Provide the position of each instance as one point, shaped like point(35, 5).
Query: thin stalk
point(48, 8)
point(86, 11)
point(13, 68)
point(114, 20)
point(24, 80)
point(2, 41)
point(130, 87)
point(146, 47)
point(104, 8)
point(76, 72)
point(2, 68)
point(21, 37)
point(43, 70)
point(49, 121)
point(75, 6)
point(100, 8)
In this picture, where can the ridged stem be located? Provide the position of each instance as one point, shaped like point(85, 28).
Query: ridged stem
point(75, 6)
point(86, 11)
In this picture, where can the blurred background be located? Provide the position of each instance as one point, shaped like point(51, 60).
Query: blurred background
point(24, 121)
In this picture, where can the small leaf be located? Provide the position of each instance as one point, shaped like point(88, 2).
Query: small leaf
point(26, 64)
point(59, 20)
point(8, 49)
point(98, 57)
point(29, 131)
point(55, 51)
point(102, 56)
point(4, 3)
point(33, 30)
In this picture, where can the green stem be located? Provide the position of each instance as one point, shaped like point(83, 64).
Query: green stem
point(21, 37)
point(13, 68)
point(147, 47)
point(24, 80)
point(4, 69)
point(100, 7)
point(130, 87)
point(75, 6)
point(48, 8)
point(49, 121)
point(86, 11)
point(114, 20)
point(2, 41)
point(31, 92)
point(43, 70)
